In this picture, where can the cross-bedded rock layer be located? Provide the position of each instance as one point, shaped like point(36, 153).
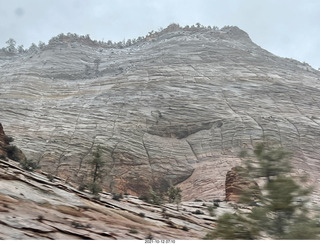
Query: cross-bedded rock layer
point(34, 207)
point(178, 107)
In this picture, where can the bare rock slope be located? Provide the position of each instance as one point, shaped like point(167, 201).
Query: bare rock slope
point(174, 108)
point(34, 207)
point(38, 205)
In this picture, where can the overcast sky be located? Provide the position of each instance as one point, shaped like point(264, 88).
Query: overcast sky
point(288, 28)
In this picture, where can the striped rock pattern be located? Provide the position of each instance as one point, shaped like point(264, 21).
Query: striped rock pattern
point(177, 108)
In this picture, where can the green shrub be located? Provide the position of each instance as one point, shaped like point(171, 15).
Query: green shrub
point(216, 204)
point(211, 211)
point(143, 198)
point(133, 231)
point(8, 139)
point(94, 187)
point(13, 153)
point(231, 227)
point(116, 196)
point(174, 194)
point(185, 228)
point(96, 197)
point(155, 198)
point(82, 187)
point(142, 215)
point(50, 177)
point(77, 225)
point(149, 237)
point(40, 217)
point(29, 165)
point(197, 212)
point(4, 158)
point(152, 197)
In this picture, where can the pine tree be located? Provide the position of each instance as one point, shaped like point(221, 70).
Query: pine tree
point(97, 164)
point(281, 210)
point(174, 194)
point(11, 48)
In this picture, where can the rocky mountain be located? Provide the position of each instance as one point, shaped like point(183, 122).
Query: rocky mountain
point(174, 108)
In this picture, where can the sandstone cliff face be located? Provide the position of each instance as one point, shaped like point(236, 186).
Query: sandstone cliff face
point(237, 185)
point(178, 107)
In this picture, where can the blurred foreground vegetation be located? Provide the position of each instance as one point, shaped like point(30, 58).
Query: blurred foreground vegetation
point(280, 206)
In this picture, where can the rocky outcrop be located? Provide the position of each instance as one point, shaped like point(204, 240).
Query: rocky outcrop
point(3, 143)
point(170, 109)
point(35, 206)
point(7, 150)
point(236, 185)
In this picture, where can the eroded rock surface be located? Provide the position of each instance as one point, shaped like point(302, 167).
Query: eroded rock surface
point(34, 207)
point(237, 185)
point(3, 143)
point(177, 105)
